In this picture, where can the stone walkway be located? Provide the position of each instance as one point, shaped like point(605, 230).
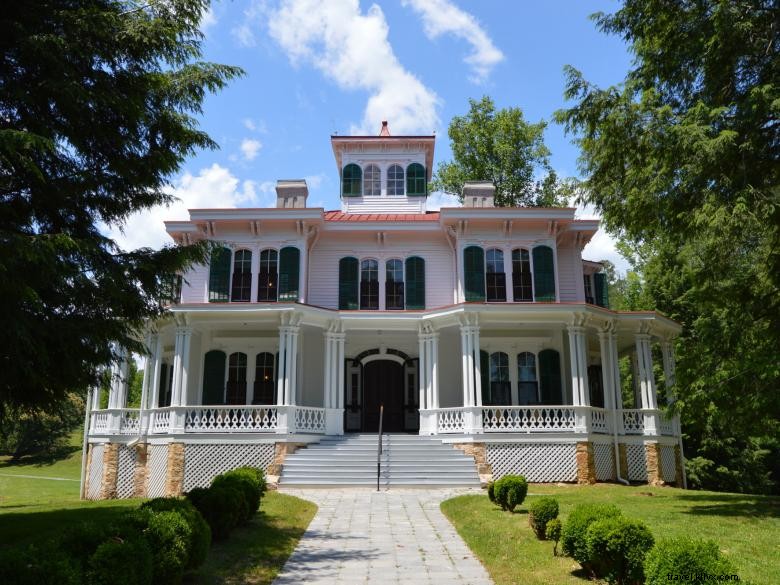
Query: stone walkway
point(394, 536)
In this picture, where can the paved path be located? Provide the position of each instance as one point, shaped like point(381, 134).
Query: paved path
point(394, 536)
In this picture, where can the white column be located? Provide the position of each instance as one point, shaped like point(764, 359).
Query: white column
point(434, 370)
point(339, 389)
point(181, 366)
point(468, 368)
point(644, 361)
point(327, 382)
point(667, 353)
point(477, 366)
point(147, 383)
point(579, 376)
point(156, 369)
point(294, 365)
point(334, 410)
point(280, 367)
point(614, 362)
point(421, 366)
point(428, 370)
point(606, 369)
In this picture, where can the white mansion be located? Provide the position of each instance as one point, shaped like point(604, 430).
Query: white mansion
point(481, 331)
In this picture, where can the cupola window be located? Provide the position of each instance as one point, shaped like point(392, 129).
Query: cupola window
point(372, 181)
point(395, 180)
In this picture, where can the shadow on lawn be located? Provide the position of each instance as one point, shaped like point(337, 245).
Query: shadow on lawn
point(41, 459)
point(731, 505)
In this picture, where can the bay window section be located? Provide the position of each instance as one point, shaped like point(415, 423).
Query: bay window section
point(369, 284)
point(241, 285)
point(394, 285)
point(522, 281)
point(495, 278)
point(268, 275)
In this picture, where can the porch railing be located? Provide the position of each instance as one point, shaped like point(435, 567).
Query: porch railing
point(600, 420)
point(528, 419)
point(633, 421)
point(450, 420)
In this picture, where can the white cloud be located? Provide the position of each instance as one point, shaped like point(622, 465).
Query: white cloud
point(208, 20)
point(255, 125)
point(352, 48)
point(439, 199)
point(250, 147)
point(443, 17)
point(214, 186)
point(244, 35)
point(602, 245)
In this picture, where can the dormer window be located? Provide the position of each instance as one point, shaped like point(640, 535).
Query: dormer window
point(351, 181)
point(372, 182)
point(395, 180)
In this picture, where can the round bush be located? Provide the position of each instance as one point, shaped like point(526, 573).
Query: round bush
point(553, 533)
point(510, 491)
point(247, 480)
point(34, 566)
point(221, 506)
point(121, 562)
point(200, 537)
point(576, 525)
point(616, 549)
point(169, 536)
point(80, 541)
point(684, 555)
point(540, 512)
point(492, 492)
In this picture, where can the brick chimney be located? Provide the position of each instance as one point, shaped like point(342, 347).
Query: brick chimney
point(479, 194)
point(291, 193)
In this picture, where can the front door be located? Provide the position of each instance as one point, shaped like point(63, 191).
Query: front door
point(383, 384)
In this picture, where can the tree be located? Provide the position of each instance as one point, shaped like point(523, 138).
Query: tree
point(682, 160)
point(97, 106)
point(502, 147)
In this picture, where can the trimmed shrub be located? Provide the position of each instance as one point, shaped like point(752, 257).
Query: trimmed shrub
point(492, 492)
point(169, 536)
point(616, 549)
point(540, 512)
point(573, 533)
point(80, 541)
point(510, 491)
point(250, 481)
point(121, 562)
point(553, 532)
point(684, 555)
point(35, 566)
point(200, 537)
point(222, 507)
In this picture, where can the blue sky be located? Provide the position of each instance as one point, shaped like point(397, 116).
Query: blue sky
point(314, 68)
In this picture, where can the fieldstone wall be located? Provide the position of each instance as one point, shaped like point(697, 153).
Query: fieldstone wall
point(174, 472)
point(479, 452)
point(653, 455)
point(586, 463)
point(110, 467)
point(139, 471)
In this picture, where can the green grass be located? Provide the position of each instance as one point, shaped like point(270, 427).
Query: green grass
point(746, 527)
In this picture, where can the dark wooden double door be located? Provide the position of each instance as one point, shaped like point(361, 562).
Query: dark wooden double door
point(383, 385)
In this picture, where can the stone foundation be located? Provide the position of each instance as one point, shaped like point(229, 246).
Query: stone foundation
point(655, 474)
point(140, 471)
point(479, 452)
point(586, 463)
point(174, 471)
point(281, 451)
point(110, 468)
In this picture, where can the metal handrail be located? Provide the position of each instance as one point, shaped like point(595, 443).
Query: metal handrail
point(379, 447)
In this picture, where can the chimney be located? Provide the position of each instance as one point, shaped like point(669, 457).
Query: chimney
point(385, 131)
point(479, 194)
point(291, 193)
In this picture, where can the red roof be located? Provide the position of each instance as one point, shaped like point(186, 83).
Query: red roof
point(339, 216)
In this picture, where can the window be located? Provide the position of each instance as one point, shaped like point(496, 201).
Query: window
point(265, 379)
point(474, 273)
point(588, 289)
point(415, 180)
point(522, 282)
point(369, 284)
point(372, 182)
point(351, 179)
point(527, 388)
point(394, 284)
point(236, 384)
point(348, 283)
point(241, 289)
point(267, 278)
point(550, 386)
point(395, 180)
point(289, 263)
point(219, 275)
point(500, 389)
point(214, 377)
point(495, 278)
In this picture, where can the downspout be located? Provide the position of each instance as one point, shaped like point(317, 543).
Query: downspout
point(84, 443)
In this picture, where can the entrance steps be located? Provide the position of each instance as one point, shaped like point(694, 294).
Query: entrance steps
point(406, 461)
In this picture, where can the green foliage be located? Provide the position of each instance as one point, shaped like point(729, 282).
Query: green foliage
point(491, 491)
point(222, 507)
point(36, 566)
point(250, 480)
point(553, 532)
point(500, 146)
point(540, 513)
point(79, 542)
point(682, 161)
point(616, 549)
point(573, 534)
point(43, 432)
point(200, 533)
point(113, 115)
point(684, 555)
point(121, 561)
point(169, 536)
point(510, 491)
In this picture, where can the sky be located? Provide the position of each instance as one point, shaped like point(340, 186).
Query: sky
point(314, 68)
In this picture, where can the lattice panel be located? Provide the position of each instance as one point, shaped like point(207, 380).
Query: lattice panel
point(125, 472)
point(604, 455)
point(538, 462)
point(637, 464)
point(668, 464)
point(203, 462)
point(156, 463)
point(95, 473)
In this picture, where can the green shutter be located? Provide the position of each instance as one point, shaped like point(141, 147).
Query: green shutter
point(163, 396)
point(219, 276)
point(415, 283)
point(602, 290)
point(474, 272)
point(348, 283)
point(544, 274)
point(415, 180)
point(289, 262)
point(214, 377)
point(484, 375)
point(352, 181)
point(550, 377)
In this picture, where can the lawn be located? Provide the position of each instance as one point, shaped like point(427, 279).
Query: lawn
point(38, 507)
point(747, 529)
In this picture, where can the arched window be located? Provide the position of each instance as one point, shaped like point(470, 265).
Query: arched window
point(394, 284)
point(522, 282)
point(265, 379)
point(241, 289)
point(500, 388)
point(236, 384)
point(268, 276)
point(369, 284)
point(415, 180)
point(395, 180)
point(351, 179)
point(372, 182)
point(527, 387)
point(495, 278)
